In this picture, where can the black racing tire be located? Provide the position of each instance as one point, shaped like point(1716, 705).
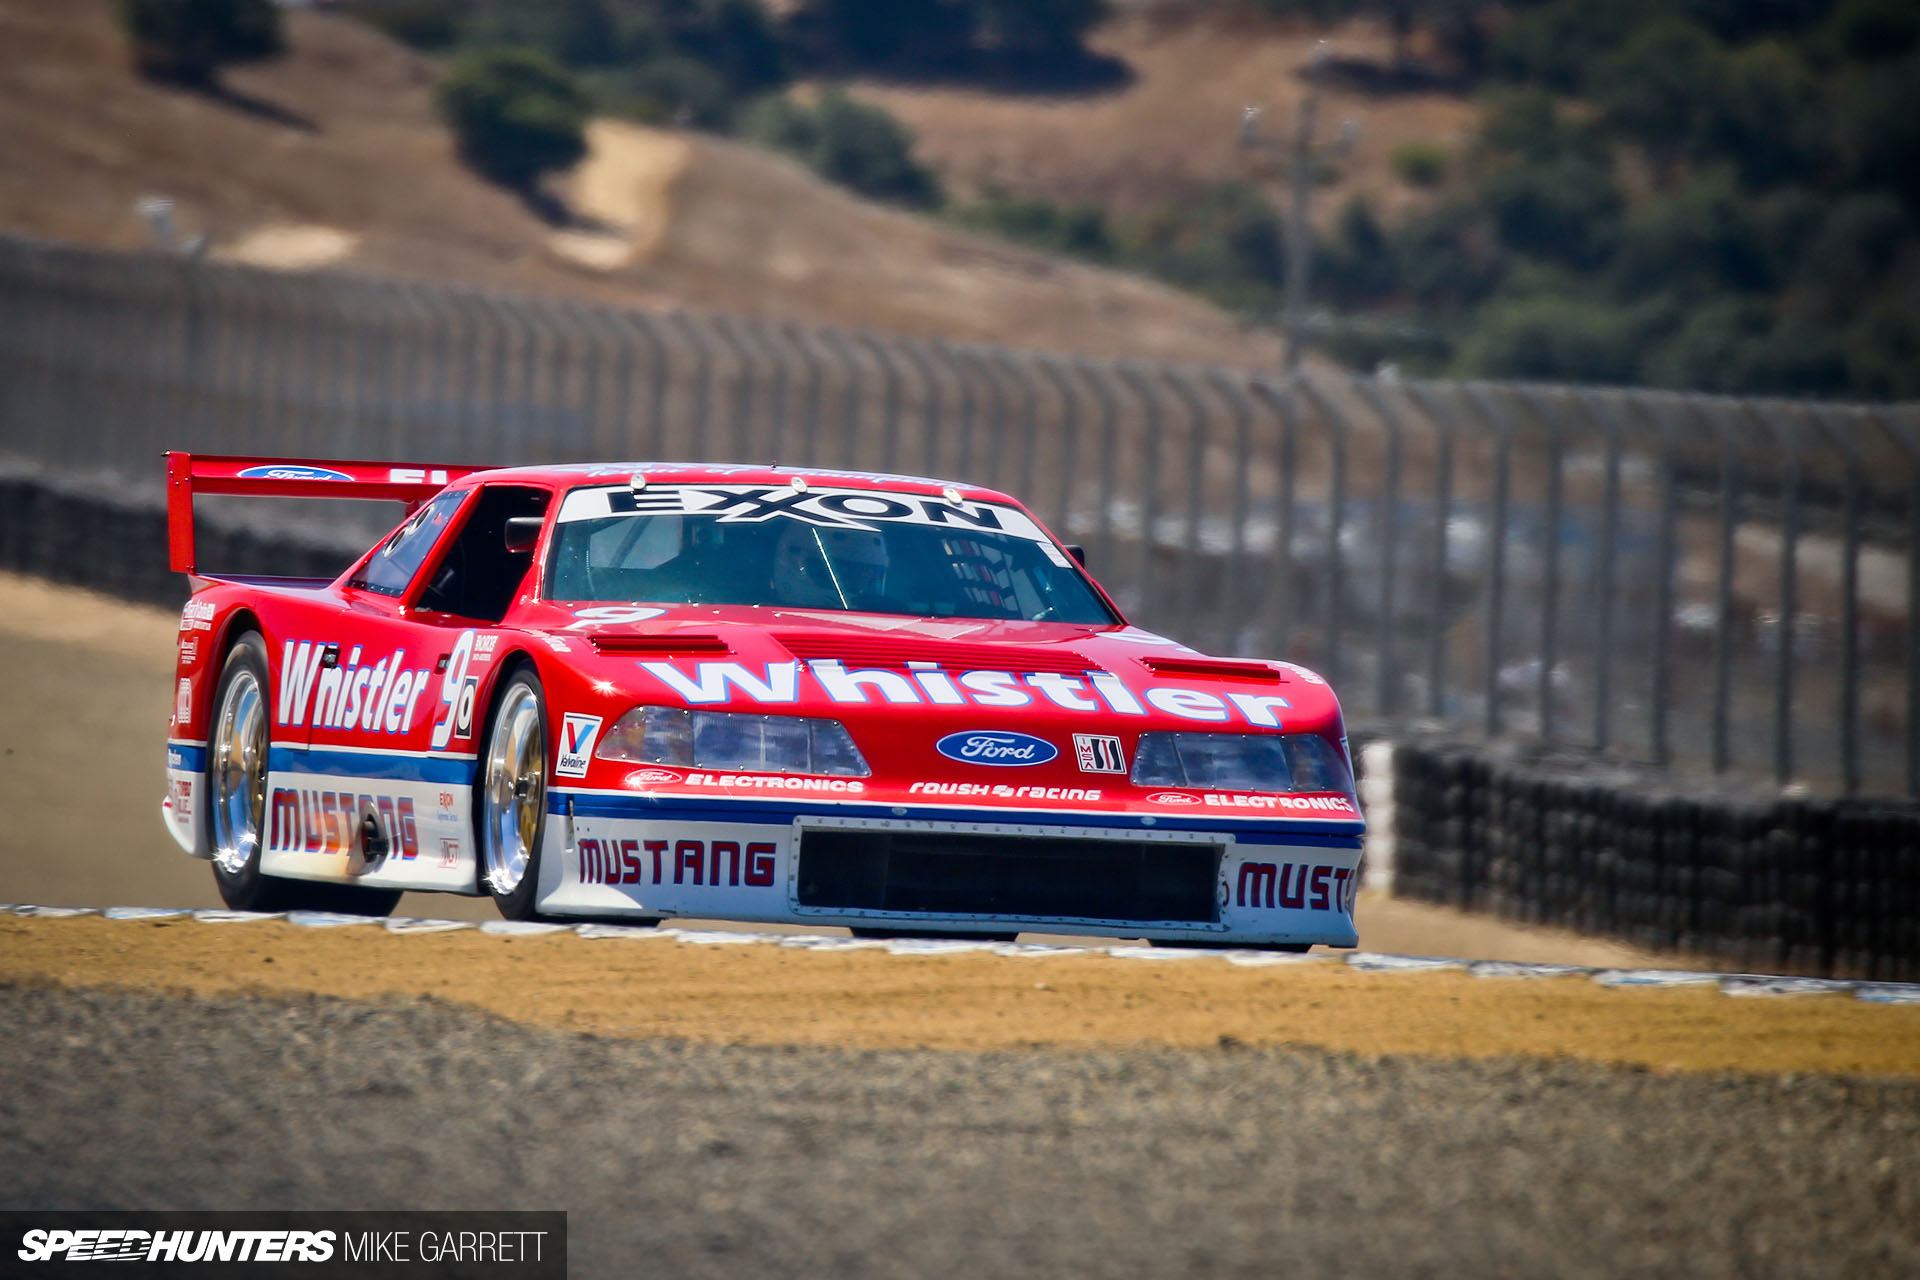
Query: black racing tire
point(510, 796)
point(239, 737)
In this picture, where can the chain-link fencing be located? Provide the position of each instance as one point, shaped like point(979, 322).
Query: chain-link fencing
point(1723, 584)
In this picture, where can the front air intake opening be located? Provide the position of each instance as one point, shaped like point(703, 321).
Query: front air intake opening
point(950, 873)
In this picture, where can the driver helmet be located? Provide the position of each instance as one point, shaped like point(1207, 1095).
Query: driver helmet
point(828, 568)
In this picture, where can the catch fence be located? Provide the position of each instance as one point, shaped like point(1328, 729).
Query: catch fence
point(1723, 584)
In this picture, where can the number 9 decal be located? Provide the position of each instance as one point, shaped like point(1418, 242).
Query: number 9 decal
point(457, 693)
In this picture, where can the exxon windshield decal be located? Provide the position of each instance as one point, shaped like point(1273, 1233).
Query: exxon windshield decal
point(867, 509)
point(289, 471)
point(1000, 748)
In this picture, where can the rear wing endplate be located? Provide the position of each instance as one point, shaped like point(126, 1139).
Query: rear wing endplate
point(189, 474)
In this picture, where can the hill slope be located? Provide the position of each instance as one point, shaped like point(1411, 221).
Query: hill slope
point(333, 156)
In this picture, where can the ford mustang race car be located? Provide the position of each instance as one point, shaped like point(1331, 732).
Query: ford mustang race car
point(755, 693)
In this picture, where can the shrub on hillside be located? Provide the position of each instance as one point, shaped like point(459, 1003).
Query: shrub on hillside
point(190, 40)
point(852, 143)
point(1419, 164)
point(515, 114)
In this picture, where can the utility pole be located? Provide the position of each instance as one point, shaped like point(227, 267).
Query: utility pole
point(1297, 157)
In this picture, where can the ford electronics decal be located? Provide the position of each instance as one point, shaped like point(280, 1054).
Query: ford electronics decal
point(287, 471)
point(999, 747)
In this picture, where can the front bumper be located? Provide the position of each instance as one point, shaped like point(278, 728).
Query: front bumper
point(881, 866)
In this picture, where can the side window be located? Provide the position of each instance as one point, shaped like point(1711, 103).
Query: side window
point(400, 557)
point(479, 575)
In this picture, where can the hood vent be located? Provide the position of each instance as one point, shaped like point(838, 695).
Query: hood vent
point(1213, 669)
point(895, 652)
point(647, 645)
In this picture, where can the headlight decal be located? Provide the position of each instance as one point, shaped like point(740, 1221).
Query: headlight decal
point(1271, 762)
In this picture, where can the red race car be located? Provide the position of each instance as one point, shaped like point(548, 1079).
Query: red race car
point(756, 693)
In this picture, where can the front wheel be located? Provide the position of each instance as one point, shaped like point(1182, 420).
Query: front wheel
point(237, 747)
point(510, 807)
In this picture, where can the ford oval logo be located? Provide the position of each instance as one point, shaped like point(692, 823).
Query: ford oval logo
point(1174, 798)
point(284, 471)
point(999, 747)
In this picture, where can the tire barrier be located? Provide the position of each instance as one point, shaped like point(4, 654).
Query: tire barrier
point(1794, 884)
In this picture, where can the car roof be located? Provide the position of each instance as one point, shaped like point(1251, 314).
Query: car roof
point(588, 473)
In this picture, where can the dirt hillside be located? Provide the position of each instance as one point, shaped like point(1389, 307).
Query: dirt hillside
point(332, 157)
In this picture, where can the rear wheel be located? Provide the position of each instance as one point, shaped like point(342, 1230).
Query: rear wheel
point(510, 805)
point(237, 744)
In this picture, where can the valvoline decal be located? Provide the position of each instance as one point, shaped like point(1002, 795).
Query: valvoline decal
point(1001, 748)
point(292, 471)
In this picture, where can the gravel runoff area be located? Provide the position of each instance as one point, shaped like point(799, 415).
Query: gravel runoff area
point(686, 1160)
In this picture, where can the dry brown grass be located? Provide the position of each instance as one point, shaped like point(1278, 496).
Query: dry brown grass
point(1172, 128)
point(336, 146)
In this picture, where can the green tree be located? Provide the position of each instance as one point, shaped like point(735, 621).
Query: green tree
point(1552, 338)
point(515, 114)
point(190, 40)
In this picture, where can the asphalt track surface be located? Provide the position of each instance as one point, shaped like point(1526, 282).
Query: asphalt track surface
point(726, 1110)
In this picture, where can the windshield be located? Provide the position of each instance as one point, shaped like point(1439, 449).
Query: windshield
point(849, 550)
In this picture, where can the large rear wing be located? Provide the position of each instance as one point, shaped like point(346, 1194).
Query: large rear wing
point(190, 474)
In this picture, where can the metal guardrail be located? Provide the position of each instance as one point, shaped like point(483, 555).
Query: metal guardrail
point(1725, 584)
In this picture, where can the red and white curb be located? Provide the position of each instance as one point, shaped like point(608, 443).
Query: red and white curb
point(1732, 984)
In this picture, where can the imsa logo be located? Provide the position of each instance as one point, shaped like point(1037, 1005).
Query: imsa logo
point(1098, 753)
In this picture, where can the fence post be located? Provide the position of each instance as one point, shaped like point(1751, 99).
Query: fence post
point(1550, 563)
point(1502, 430)
point(1849, 603)
point(742, 387)
point(1658, 743)
point(1442, 418)
point(1331, 657)
point(1197, 423)
point(1233, 616)
point(702, 385)
point(1387, 696)
point(1099, 377)
point(890, 403)
point(1068, 457)
point(1789, 592)
point(1149, 483)
point(1281, 609)
point(1907, 439)
point(1588, 405)
point(915, 354)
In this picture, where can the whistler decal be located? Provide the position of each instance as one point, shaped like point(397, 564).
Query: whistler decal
point(290, 471)
point(1000, 748)
point(825, 508)
point(778, 684)
point(372, 697)
point(577, 734)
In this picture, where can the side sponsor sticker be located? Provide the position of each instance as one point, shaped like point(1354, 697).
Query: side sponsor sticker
point(577, 736)
point(1098, 753)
